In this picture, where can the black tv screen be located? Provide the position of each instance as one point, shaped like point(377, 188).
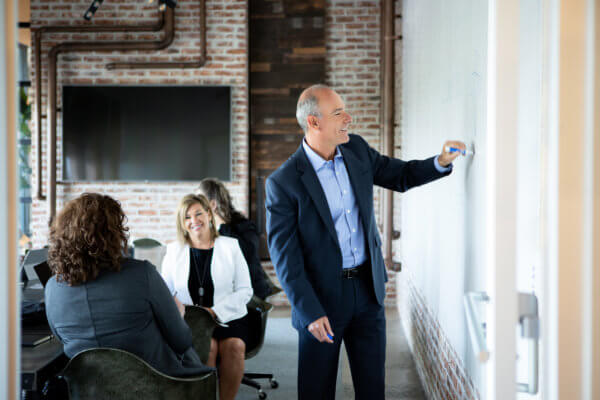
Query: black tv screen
point(146, 133)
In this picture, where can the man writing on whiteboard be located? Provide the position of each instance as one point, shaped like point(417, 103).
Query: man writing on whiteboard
point(325, 246)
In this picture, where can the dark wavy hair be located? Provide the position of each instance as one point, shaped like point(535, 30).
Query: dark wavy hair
point(87, 237)
point(214, 189)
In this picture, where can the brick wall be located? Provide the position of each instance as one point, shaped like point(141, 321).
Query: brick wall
point(442, 374)
point(352, 38)
point(353, 69)
point(150, 207)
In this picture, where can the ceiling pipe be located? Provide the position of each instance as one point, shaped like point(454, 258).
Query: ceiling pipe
point(171, 64)
point(66, 47)
point(37, 47)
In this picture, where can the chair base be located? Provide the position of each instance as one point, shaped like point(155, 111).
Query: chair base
point(249, 379)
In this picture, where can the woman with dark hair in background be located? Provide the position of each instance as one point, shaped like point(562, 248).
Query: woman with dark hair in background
point(99, 298)
point(232, 223)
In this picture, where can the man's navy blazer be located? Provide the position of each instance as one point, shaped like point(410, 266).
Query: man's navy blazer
point(302, 239)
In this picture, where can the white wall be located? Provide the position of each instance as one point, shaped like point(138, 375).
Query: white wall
point(555, 188)
point(444, 97)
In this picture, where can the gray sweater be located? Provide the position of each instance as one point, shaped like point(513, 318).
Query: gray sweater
point(130, 310)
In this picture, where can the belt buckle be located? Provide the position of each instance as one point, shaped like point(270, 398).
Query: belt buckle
point(351, 273)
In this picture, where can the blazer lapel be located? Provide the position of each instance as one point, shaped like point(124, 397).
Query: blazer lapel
point(356, 172)
point(309, 178)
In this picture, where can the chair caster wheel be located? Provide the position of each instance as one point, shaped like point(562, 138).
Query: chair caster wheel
point(262, 395)
point(274, 383)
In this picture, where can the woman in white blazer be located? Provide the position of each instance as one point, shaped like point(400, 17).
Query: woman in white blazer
point(209, 270)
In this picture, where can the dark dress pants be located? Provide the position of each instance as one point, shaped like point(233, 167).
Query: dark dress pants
point(360, 323)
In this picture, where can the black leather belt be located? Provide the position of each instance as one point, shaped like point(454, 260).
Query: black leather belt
point(355, 272)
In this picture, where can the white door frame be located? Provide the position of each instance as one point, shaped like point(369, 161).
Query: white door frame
point(9, 310)
point(570, 318)
point(501, 192)
point(595, 263)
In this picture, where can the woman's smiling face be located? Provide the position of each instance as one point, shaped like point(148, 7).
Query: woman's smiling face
point(197, 221)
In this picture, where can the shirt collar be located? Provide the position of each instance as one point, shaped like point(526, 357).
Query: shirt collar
point(316, 160)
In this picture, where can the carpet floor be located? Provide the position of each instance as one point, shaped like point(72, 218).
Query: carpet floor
point(280, 351)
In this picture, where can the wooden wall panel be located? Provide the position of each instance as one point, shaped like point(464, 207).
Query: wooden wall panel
point(287, 54)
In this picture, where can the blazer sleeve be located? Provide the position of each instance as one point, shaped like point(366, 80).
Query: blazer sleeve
point(249, 245)
point(399, 175)
point(173, 328)
point(48, 302)
point(168, 269)
point(235, 303)
point(286, 253)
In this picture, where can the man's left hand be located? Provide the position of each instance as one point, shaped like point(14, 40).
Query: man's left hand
point(447, 157)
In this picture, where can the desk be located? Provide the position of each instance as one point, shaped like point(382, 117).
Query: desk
point(33, 291)
point(41, 362)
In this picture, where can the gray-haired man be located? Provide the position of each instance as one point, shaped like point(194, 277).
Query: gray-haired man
point(325, 246)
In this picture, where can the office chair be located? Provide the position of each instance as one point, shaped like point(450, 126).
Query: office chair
point(258, 310)
point(202, 325)
point(150, 250)
point(105, 373)
point(273, 287)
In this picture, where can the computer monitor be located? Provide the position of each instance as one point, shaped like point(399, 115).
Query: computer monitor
point(32, 258)
point(44, 273)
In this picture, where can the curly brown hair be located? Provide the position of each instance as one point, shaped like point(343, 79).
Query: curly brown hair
point(88, 236)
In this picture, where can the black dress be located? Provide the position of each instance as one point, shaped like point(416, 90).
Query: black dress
point(200, 277)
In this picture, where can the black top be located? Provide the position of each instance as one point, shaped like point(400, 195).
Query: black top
point(200, 277)
point(246, 233)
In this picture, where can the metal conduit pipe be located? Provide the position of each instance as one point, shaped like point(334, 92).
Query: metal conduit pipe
point(37, 39)
point(388, 13)
point(52, 78)
point(171, 64)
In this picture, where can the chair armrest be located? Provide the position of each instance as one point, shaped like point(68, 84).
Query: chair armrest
point(259, 305)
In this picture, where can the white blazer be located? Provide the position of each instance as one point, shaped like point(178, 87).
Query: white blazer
point(228, 270)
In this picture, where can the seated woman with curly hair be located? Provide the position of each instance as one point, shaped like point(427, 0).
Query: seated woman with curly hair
point(99, 298)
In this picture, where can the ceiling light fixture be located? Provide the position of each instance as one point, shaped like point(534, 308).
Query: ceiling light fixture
point(92, 9)
point(163, 4)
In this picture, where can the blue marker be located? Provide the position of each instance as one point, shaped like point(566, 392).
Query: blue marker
point(456, 149)
point(329, 336)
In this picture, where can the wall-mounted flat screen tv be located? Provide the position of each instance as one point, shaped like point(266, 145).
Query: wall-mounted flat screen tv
point(146, 133)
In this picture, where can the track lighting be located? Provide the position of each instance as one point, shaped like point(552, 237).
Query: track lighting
point(92, 9)
point(163, 4)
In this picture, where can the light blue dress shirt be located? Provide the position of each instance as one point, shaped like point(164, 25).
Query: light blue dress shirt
point(342, 203)
point(343, 206)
